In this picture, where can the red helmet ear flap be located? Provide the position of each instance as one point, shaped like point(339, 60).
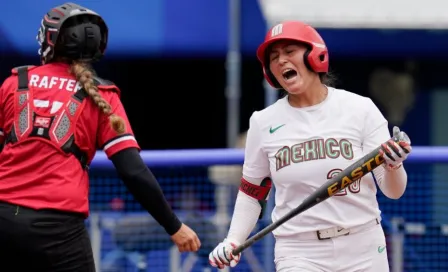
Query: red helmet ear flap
point(318, 59)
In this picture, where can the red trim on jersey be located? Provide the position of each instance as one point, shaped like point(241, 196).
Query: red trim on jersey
point(119, 143)
point(256, 191)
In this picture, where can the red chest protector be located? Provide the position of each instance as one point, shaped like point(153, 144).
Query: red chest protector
point(56, 129)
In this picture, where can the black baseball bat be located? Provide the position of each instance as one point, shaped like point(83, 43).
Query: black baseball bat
point(354, 172)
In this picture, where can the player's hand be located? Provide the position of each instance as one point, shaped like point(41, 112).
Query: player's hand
point(222, 255)
point(186, 239)
point(395, 153)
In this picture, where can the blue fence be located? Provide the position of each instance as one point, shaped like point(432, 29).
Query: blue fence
point(201, 186)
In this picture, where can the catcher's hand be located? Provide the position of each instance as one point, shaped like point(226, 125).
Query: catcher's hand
point(186, 239)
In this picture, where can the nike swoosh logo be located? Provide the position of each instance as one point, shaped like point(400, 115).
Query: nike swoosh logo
point(272, 130)
point(381, 249)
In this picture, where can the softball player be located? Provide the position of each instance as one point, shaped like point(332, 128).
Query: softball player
point(52, 119)
point(299, 142)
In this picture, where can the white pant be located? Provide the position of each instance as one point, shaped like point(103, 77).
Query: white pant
point(362, 251)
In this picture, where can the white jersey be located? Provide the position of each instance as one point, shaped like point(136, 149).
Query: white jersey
point(301, 148)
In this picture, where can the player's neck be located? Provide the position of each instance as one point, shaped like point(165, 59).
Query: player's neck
point(311, 97)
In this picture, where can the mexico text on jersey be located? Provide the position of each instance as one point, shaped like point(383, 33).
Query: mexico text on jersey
point(318, 149)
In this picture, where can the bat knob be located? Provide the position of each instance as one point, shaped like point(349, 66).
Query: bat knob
point(400, 136)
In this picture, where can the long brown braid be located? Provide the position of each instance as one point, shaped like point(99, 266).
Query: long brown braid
point(84, 76)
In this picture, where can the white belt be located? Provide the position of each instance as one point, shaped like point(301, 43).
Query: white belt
point(335, 231)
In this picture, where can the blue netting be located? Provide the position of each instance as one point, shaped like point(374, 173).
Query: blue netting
point(132, 241)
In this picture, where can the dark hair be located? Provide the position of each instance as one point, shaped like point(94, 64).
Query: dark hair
point(329, 79)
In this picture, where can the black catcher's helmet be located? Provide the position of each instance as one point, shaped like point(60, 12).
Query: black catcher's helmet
point(73, 32)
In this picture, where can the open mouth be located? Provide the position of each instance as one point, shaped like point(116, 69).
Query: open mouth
point(289, 74)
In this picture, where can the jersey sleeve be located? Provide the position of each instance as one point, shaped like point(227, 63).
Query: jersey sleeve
point(107, 138)
point(375, 131)
point(256, 161)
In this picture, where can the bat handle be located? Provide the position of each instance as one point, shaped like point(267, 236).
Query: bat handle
point(246, 244)
point(239, 249)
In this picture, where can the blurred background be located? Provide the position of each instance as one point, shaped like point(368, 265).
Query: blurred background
point(190, 81)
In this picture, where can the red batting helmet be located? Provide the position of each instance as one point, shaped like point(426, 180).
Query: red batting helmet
point(316, 58)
